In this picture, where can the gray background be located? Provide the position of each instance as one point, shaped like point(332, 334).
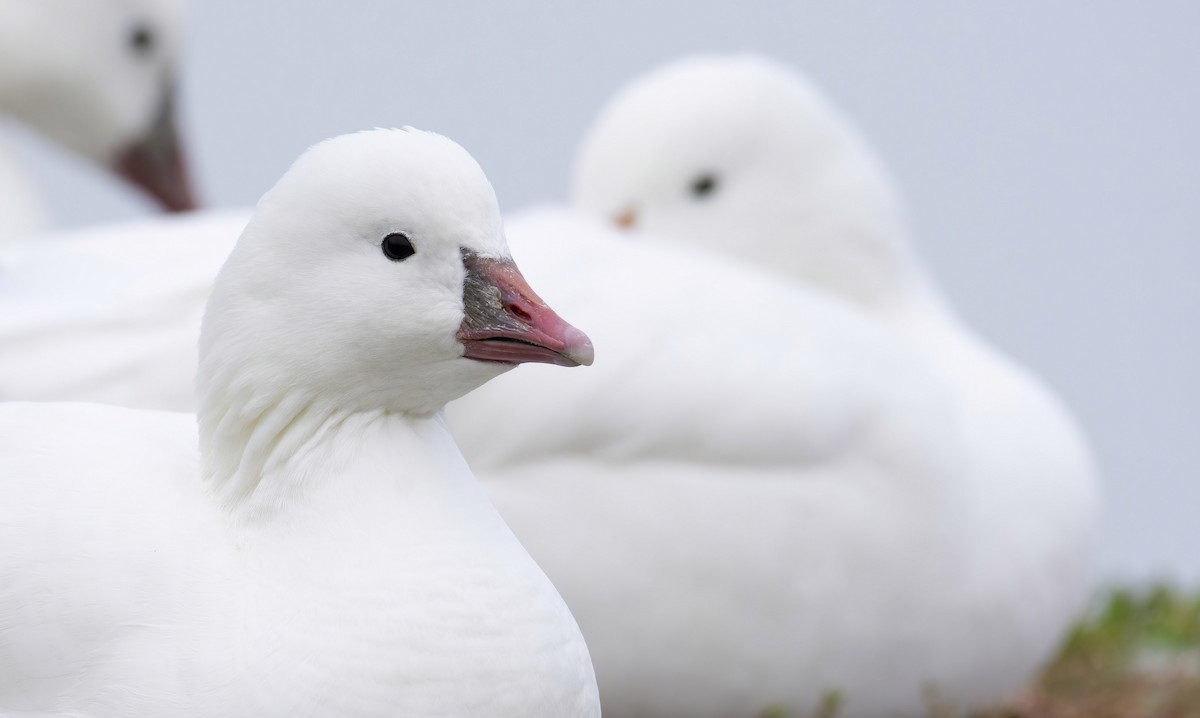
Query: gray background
point(1048, 151)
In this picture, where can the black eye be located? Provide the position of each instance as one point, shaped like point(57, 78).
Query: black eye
point(397, 248)
point(703, 186)
point(141, 39)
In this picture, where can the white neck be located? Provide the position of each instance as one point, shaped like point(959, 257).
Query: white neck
point(265, 453)
point(847, 232)
point(374, 549)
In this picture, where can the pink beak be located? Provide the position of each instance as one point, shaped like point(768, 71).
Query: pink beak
point(505, 321)
point(157, 164)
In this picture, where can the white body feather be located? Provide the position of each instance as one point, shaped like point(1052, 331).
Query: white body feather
point(392, 589)
point(110, 313)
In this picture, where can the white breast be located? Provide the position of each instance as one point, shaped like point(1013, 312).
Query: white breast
point(131, 594)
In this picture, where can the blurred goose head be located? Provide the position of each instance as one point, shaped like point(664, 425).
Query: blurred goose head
point(740, 154)
point(98, 77)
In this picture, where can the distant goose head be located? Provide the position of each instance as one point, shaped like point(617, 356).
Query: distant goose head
point(742, 155)
point(97, 77)
point(375, 275)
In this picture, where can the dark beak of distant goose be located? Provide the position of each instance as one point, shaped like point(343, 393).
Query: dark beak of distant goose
point(506, 322)
point(156, 163)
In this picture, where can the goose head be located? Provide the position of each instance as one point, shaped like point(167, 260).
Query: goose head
point(97, 77)
point(375, 275)
point(741, 155)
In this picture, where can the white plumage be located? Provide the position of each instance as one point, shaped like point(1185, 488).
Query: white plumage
point(967, 553)
point(110, 313)
point(747, 500)
point(326, 552)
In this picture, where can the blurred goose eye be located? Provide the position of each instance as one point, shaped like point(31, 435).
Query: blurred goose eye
point(141, 40)
point(703, 186)
point(397, 248)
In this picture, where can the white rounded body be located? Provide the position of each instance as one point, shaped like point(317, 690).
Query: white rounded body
point(396, 590)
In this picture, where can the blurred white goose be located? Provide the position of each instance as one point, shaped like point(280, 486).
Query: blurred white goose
point(96, 77)
point(707, 598)
point(330, 553)
point(111, 312)
point(746, 501)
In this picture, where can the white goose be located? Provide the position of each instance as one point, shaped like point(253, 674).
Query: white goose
point(110, 313)
point(746, 502)
point(703, 593)
point(330, 553)
point(96, 77)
